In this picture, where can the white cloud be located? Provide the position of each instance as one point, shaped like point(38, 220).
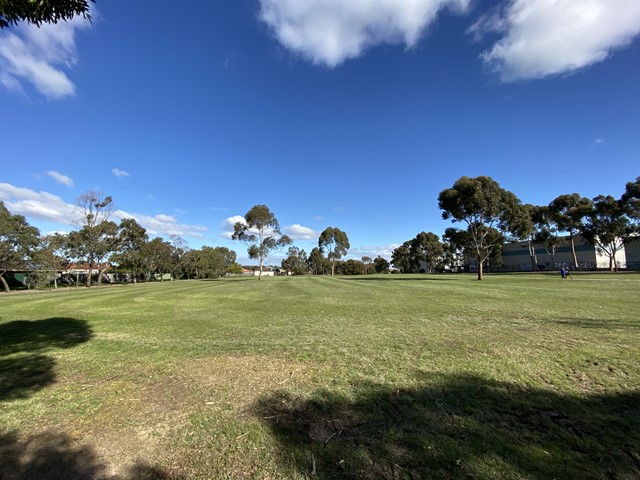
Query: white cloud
point(328, 32)
point(38, 205)
point(599, 141)
point(60, 178)
point(298, 232)
point(120, 173)
point(163, 224)
point(48, 207)
point(373, 251)
point(550, 37)
point(38, 54)
point(229, 224)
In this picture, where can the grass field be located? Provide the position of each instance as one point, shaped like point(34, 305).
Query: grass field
point(518, 376)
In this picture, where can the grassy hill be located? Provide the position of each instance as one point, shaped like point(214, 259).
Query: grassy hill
point(518, 376)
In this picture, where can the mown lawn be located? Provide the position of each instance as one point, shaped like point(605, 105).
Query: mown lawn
point(518, 376)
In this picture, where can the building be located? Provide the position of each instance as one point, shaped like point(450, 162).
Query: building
point(516, 257)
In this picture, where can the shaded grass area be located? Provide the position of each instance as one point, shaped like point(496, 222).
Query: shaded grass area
point(418, 376)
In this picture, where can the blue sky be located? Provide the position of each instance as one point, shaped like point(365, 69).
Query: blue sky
point(346, 113)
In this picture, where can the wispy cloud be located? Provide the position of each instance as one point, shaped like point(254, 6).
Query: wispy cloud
point(60, 178)
point(120, 173)
point(298, 232)
point(383, 251)
point(38, 56)
point(543, 38)
point(48, 207)
point(328, 32)
point(598, 141)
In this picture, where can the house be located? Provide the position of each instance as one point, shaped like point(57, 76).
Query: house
point(266, 272)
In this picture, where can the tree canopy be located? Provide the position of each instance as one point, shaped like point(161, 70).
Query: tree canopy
point(42, 11)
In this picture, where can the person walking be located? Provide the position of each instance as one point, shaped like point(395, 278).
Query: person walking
point(563, 272)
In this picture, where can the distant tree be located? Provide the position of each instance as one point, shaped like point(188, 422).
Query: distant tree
point(547, 232)
point(353, 267)
point(18, 239)
point(526, 229)
point(607, 227)
point(49, 257)
point(41, 11)
point(191, 264)
point(261, 233)
point(426, 247)
point(335, 242)
point(317, 262)
point(157, 257)
point(381, 265)
point(94, 242)
point(296, 261)
point(234, 269)
point(483, 206)
point(631, 203)
point(129, 254)
point(568, 212)
point(213, 262)
point(401, 258)
point(179, 247)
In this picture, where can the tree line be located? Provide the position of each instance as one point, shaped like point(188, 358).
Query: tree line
point(103, 246)
point(489, 215)
point(492, 216)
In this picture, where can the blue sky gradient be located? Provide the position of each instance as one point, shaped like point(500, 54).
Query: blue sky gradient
point(330, 114)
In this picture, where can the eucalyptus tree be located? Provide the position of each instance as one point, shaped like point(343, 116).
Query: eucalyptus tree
point(316, 261)
point(608, 227)
point(50, 257)
point(336, 243)
point(484, 207)
point(42, 11)
point(18, 240)
point(568, 212)
point(129, 252)
point(261, 233)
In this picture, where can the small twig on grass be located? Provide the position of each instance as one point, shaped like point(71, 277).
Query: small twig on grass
point(313, 464)
point(243, 435)
point(286, 379)
point(100, 383)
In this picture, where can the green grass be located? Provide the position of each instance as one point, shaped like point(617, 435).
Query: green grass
point(518, 376)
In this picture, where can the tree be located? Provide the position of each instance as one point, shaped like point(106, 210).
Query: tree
point(41, 11)
point(381, 265)
point(214, 262)
point(401, 257)
point(425, 248)
point(96, 239)
point(261, 233)
point(234, 269)
point(131, 240)
point(317, 262)
point(296, 261)
point(50, 257)
point(179, 247)
point(607, 227)
point(631, 203)
point(353, 267)
point(335, 242)
point(157, 257)
point(568, 212)
point(17, 241)
point(484, 206)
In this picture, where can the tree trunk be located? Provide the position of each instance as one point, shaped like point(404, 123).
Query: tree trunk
point(333, 266)
point(479, 260)
point(260, 271)
point(613, 266)
point(90, 273)
point(532, 255)
point(4, 282)
point(55, 279)
point(573, 252)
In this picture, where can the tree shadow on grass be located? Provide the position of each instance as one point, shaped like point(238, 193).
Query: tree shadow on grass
point(24, 367)
point(600, 323)
point(460, 426)
point(56, 456)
